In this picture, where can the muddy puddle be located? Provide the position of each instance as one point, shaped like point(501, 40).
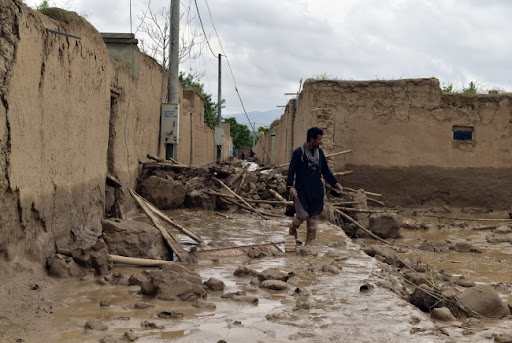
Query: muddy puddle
point(318, 306)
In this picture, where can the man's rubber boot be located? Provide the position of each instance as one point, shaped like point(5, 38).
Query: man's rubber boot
point(293, 230)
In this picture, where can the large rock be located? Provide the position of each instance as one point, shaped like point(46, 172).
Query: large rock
point(63, 266)
point(174, 282)
point(163, 193)
point(199, 199)
point(134, 239)
point(483, 300)
point(385, 225)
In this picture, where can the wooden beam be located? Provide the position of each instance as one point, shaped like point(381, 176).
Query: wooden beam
point(183, 255)
point(239, 197)
point(145, 262)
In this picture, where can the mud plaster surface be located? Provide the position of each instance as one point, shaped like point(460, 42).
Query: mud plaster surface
point(338, 311)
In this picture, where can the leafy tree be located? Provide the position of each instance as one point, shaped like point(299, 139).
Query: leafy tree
point(448, 88)
point(240, 133)
point(43, 7)
point(472, 89)
point(263, 129)
point(189, 81)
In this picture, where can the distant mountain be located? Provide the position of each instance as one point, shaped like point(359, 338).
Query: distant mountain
point(258, 118)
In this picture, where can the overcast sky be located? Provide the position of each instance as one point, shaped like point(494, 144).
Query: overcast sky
point(272, 45)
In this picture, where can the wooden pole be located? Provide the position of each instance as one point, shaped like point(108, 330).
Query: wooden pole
point(361, 210)
point(238, 197)
point(244, 174)
point(139, 261)
point(234, 202)
point(365, 192)
point(279, 197)
point(174, 223)
point(346, 216)
point(326, 156)
point(163, 165)
point(376, 201)
point(272, 202)
point(183, 255)
point(343, 173)
point(465, 219)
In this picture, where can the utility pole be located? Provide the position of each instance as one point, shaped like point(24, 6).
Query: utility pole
point(170, 115)
point(172, 81)
point(219, 131)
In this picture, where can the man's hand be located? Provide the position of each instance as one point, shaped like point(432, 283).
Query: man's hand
point(339, 188)
point(293, 193)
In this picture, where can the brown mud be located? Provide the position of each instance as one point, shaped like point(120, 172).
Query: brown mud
point(318, 306)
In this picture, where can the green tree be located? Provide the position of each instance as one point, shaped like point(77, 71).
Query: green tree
point(448, 88)
point(472, 89)
point(43, 7)
point(240, 133)
point(189, 81)
point(263, 129)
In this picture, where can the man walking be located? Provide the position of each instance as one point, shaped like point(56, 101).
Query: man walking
point(308, 164)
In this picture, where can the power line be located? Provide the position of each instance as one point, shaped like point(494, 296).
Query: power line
point(233, 76)
point(201, 21)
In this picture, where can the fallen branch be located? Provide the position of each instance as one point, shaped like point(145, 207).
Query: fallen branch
point(465, 219)
point(326, 156)
point(343, 173)
point(361, 210)
point(490, 227)
point(239, 198)
point(183, 255)
point(261, 213)
point(244, 174)
point(154, 158)
point(376, 201)
point(139, 261)
point(272, 202)
point(174, 223)
point(148, 165)
point(365, 192)
point(279, 197)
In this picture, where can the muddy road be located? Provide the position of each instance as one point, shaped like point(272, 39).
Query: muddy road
point(336, 292)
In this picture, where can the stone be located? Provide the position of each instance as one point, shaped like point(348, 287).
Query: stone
point(132, 238)
point(170, 314)
point(484, 300)
point(385, 225)
point(96, 324)
point(215, 284)
point(143, 306)
point(240, 296)
point(274, 274)
point(163, 193)
point(203, 304)
point(174, 282)
point(105, 302)
point(245, 271)
point(442, 314)
point(463, 247)
point(201, 200)
point(63, 266)
point(503, 338)
point(276, 285)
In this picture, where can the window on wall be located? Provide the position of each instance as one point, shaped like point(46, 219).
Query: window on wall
point(463, 133)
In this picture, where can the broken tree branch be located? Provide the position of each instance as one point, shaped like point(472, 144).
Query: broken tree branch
point(183, 255)
point(361, 210)
point(365, 192)
point(239, 197)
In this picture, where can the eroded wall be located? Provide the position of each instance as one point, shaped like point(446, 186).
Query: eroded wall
point(400, 133)
point(55, 130)
point(69, 116)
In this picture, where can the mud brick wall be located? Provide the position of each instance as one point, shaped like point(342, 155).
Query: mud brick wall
point(70, 115)
point(54, 130)
point(401, 136)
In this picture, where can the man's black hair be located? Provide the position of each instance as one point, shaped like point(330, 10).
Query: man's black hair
point(313, 133)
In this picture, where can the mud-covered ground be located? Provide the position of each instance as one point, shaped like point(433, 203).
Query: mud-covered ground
point(336, 293)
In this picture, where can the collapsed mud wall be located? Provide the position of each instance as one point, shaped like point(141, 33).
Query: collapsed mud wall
point(401, 135)
point(55, 129)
